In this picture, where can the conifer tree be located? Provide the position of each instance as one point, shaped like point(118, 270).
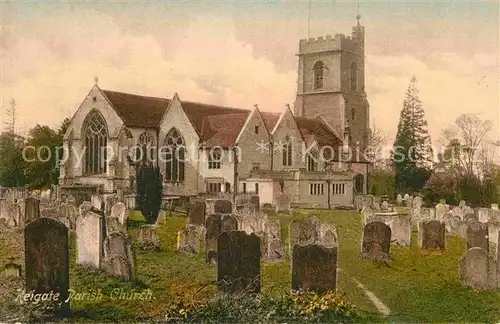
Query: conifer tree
point(412, 151)
point(149, 191)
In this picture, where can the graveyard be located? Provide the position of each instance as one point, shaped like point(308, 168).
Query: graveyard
point(417, 280)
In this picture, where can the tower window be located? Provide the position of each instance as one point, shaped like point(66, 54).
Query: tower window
point(319, 69)
point(354, 76)
point(353, 114)
point(256, 129)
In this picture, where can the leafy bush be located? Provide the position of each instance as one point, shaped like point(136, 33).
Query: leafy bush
point(302, 308)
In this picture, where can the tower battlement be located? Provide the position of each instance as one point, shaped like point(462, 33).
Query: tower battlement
point(338, 42)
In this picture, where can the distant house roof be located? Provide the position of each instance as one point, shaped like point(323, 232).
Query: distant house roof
point(216, 125)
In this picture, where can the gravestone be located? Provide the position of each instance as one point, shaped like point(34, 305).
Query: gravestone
point(283, 205)
point(114, 225)
point(477, 235)
point(384, 206)
point(273, 228)
point(474, 269)
point(471, 217)
point(120, 211)
point(229, 223)
point(376, 241)
point(431, 234)
point(189, 239)
point(148, 239)
point(89, 239)
point(162, 215)
point(494, 206)
point(223, 207)
point(303, 232)
point(32, 209)
point(196, 212)
point(47, 259)
point(213, 226)
point(238, 262)
point(399, 200)
point(314, 268)
point(328, 235)
point(483, 215)
point(275, 250)
point(493, 229)
point(118, 244)
point(255, 202)
point(400, 230)
point(109, 202)
point(441, 209)
point(84, 206)
point(462, 204)
point(12, 270)
point(97, 202)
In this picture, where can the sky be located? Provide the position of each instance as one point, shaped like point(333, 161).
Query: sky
point(241, 53)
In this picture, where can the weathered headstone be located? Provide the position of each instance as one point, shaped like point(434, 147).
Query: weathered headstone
point(314, 268)
point(303, 232)
point(196, 212)
point(32, 209)
point(238, 262)
point(213, 225)
point(376, 241)
point(462, 204)
point(97, 202)
point(148, 239)
point(223, 207)
point(441, 209)
point(474, 269)
point(399, 200)
point(273, 228)
point(84, 206)
point(275, 250)
point(47, 259)
point(255, 202)
point(477, 235)
point(229, 223)
point(431, 234)
point(12, 270)
point(162, 215)
point(189, 239)
point(328, 235)
point(283, 205)
point(400, 230)
point(89, 239)
point(384, 206)
point(118, 244)
point(120, 211)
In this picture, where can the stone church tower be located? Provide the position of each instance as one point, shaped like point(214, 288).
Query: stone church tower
point(331, 84)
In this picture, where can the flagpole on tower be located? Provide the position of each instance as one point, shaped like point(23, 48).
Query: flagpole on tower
point(309, 20)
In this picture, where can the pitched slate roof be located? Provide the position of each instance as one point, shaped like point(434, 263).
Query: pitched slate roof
point(216, 125)
point(222, 129)
point(137, 111)
point(315, 129)
point(270, 119)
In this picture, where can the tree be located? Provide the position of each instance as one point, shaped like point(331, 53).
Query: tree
point(149, 189)
point(45, 147)
point(378, 139)
point(12, 164)
point(472, 154)
point(383, 183)
point(412, 150)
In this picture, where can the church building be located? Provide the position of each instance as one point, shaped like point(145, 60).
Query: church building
point(311, 153)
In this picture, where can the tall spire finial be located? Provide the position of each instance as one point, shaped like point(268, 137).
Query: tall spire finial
point(96, 80)
point(358, 17)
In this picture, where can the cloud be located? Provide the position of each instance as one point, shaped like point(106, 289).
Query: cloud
point(49, 76)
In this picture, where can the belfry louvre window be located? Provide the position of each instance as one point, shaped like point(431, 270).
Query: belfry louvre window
point(318, 70)
point(354, 76)
point(175, 156)
point(96, 139)
point(312, 164)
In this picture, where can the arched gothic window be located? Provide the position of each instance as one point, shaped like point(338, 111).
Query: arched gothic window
point(287, 152)
point(354, 76)
point(95, 134)
point(359, 183)
point(175, 156)
point(146, 143)
point(319, 69)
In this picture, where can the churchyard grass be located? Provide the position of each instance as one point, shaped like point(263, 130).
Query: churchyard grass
point(416, 286)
